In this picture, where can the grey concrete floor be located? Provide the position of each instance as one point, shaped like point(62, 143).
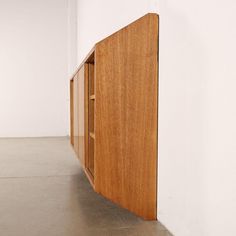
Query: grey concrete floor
point(44, 192)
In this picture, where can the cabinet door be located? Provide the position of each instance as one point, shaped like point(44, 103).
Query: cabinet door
point(91, 108)
point(78, 113)
point(81, 119)
point(72, 112)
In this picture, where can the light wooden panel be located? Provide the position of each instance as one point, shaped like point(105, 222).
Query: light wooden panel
point(126, 117)
point(87, 133)
point(78, 110)
point(90, 103)
point(81, 115)
point(86, 115)
point(71, 113)
point(76, 114)
point(91, 79)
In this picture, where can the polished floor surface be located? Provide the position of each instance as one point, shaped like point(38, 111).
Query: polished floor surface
point(44, 192)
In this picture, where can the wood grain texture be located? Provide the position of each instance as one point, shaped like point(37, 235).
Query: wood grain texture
point(71, 113)
point(86, 131)
point(81, 115)
point(89, 119)
point(78, 112)
point(90, 163)
point(91, 79)
point(126, 117)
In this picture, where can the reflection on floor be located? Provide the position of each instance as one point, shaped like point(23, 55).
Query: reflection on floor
point(44, 192)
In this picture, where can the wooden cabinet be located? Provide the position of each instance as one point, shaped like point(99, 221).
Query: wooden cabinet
point(114, 112)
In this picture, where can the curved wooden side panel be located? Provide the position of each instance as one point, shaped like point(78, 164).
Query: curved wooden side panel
point(126, 86)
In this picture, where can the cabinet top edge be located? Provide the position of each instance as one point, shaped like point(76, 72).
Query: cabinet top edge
point(94, 47)
point(132, 23)
point(83, 62)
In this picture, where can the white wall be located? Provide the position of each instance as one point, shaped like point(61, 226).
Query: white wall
point(34, 68)
point(72, 36)
point(99, 18)
point(197, 131)
point(197, 112)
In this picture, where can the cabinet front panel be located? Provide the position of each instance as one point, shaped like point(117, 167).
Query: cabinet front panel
point(81, 113)
point(78, 112)
point(71, 112)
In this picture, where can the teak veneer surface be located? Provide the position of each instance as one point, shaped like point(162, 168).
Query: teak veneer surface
point(78, 112)
point(71, 113)
point(75, 112)
point(126, 117)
